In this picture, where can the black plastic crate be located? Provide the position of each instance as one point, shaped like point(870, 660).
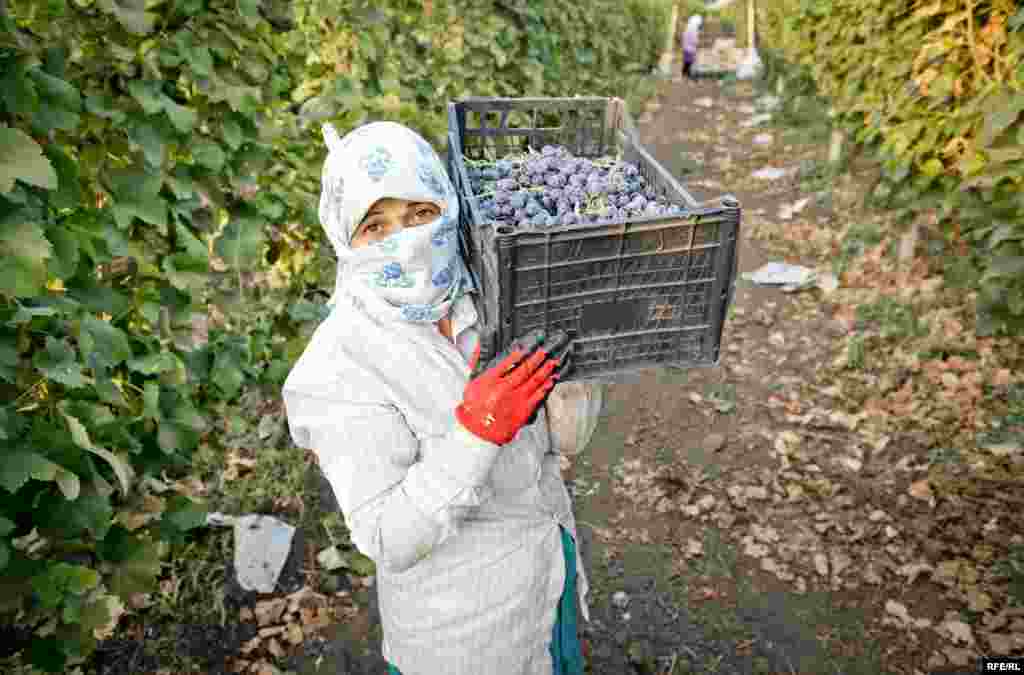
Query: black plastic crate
point(649, 292)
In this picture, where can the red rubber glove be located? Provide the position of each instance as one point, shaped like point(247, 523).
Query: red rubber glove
point(497, 403)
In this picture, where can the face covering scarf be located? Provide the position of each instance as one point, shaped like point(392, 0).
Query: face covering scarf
point(417, 274)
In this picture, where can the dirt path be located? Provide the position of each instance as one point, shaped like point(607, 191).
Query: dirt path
point(694, 602)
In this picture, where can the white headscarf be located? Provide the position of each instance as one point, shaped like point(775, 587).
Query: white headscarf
point(416, 274)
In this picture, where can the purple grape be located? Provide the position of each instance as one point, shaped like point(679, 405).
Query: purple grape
point(556, 180)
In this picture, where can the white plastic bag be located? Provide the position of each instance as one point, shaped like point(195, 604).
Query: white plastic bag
point(751, 66)
point(573, 410)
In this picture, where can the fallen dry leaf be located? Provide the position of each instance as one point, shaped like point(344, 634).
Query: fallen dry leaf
point(922, 490)
point(957, 631)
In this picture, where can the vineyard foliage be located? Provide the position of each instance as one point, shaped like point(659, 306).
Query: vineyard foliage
point(937, 88)
point(149, 145)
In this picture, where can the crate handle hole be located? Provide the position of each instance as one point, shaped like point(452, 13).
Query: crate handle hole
point(505, 229)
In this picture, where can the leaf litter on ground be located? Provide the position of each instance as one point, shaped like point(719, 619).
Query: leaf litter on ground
point(858, 498)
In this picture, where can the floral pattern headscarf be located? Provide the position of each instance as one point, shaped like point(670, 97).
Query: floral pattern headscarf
point(416, 274)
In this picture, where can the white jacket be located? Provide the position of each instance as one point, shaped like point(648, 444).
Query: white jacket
point(465, 533)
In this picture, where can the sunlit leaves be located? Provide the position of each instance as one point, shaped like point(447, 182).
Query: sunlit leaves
point(21, 158)
point(24, 251)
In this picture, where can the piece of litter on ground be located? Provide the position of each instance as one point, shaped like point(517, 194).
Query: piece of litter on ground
point(768, 102)
point(787, 211)
point(620, 599)
point(756, 121)
point(262, 545)
point(218, 519)
point(828, 282)
point(770, 173)
point(764, 139)
point(705, 102)
point(791, 278)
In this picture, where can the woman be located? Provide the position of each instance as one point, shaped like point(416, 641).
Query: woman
point(691, 38)
point(441, 477)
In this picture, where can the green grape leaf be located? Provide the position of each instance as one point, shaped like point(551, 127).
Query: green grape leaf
point(105, 344)
point(57, 90)
point(360, 565)
point(24, 251)
point(69, 484)
point(26, 314)
point(91, 512)
point(233, 134)
point(101, 612)
point(103, 105)
point(154, 364)
point(183, 514)
point(8, 372)
point(151, 139)
point(80, 435)
point(5, 554)
point(241, 242)
point(151, 401)
point(137, 571)
point(208, 154)
point(6, 526)
point(63, 579)
point(131, 14)
point(226, 374)
point(22, 159)
point(69, 189)
point(109, 393)
point(148, 95)
point(66, 253)
point(58, 363)
point(182, 117)
point(16, 468)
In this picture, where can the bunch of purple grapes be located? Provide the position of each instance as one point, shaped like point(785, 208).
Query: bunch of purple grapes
point(553, 187)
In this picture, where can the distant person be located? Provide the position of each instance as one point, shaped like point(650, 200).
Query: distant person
point(691, 37)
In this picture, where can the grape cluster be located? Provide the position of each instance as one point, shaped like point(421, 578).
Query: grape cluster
point(552, 187)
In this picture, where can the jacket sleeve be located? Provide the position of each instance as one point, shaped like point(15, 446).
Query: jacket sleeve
point(401, 497)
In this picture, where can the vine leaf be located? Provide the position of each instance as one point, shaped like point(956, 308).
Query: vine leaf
point(25, 251)
point(59, 364)
point(17, 468)
point(23, 159)
point(80, 436)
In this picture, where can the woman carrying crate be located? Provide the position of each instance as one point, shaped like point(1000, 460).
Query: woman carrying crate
point(445, 472)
